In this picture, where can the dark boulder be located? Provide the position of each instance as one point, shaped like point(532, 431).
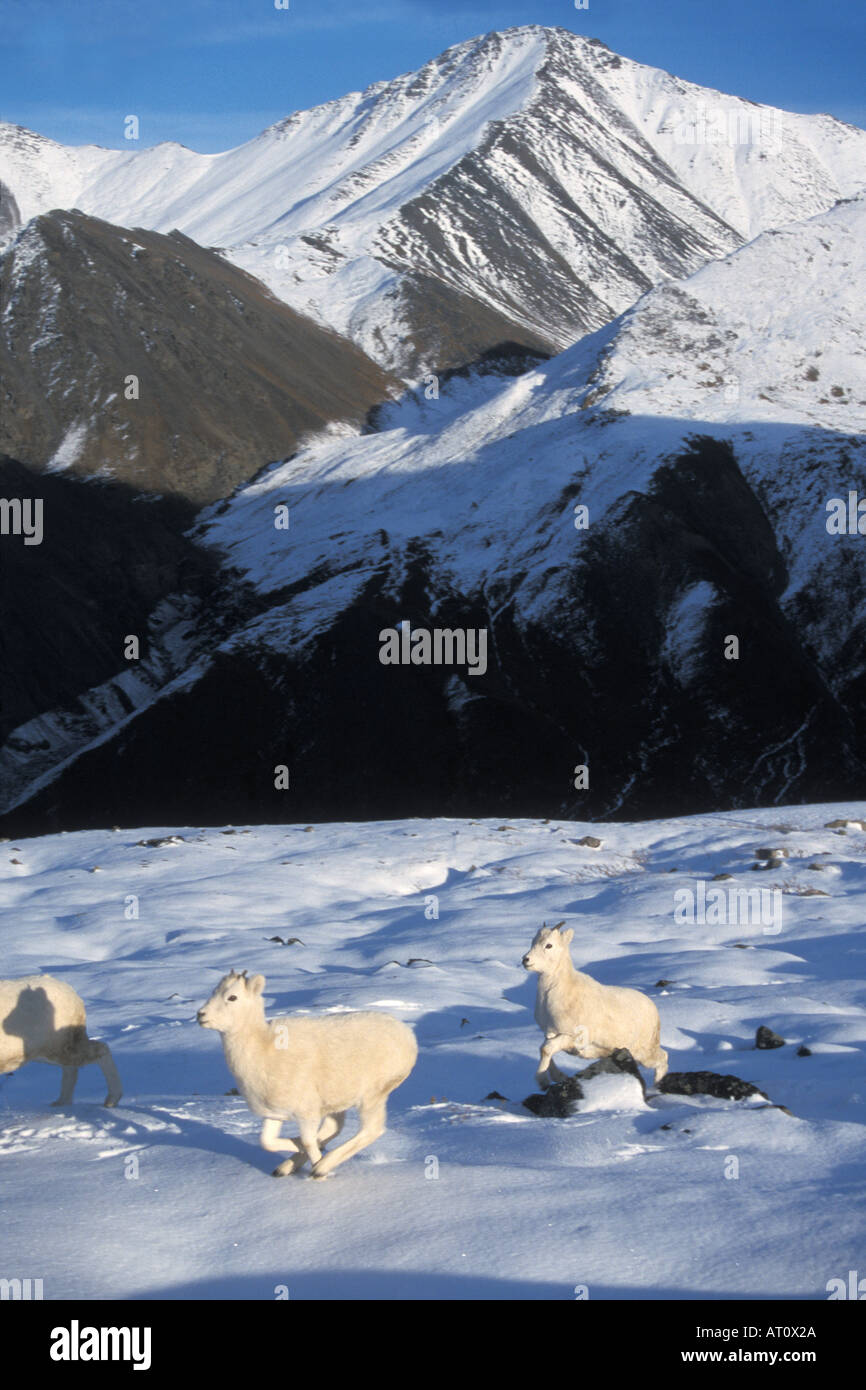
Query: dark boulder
point(619, 1061)
point(707, 1083)
point(558, 1102)
point(563, 1097)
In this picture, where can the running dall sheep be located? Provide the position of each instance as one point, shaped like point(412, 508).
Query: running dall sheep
point(312, 1069)
point(44, 1020)
point(578, 1015)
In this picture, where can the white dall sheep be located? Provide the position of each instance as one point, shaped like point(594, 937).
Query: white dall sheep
point(312, 1069)
point(44, 1020)
point(578, 1015)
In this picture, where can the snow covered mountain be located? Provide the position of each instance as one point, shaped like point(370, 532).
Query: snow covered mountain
point(629, 1198)
point(148, 360)
point(526, 185)
point(705, 432)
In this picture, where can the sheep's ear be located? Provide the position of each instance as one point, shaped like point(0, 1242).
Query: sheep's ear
point(567, 935)
point(256, 984)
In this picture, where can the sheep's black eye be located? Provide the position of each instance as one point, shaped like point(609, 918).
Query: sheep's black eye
point(232, 998)
point(549, 946)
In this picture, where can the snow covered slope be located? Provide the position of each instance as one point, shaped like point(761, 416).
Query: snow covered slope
point(526, 184)
point(465, 1196)
point(705, 432)
point(768, 342)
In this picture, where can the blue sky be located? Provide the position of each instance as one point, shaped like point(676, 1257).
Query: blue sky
point(212, 73)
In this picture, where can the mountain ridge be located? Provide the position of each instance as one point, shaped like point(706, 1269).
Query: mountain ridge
point(532, 172)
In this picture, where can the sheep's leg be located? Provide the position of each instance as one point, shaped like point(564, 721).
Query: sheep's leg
point(372, 1113)
point(542, 1076)
point(290, 1166)
point(309, 1127)
point(560, 1042)
point(67, 1086)
point(80, 1054)
point(330, 1128)
point(271, 1140)
point(109, 1071)
point(307, 1145)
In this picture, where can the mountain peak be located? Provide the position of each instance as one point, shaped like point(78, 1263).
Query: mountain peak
point(526, 184)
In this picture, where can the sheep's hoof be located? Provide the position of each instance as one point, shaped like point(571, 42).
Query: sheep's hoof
point(289, 1166)
point(56, 1103)
point(111, 1101)
point(320, 1177)
point(285, 1169)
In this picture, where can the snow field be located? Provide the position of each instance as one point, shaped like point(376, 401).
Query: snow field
point(463, 1196)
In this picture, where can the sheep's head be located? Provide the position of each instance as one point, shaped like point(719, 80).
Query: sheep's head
point(547, 949)
point(233, 1001)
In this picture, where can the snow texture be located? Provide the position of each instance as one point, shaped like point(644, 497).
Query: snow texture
point(464, 1196)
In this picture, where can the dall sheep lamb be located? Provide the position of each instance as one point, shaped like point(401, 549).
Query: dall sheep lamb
point(312, 1069)
point(576, 1014)
point(44, 1020)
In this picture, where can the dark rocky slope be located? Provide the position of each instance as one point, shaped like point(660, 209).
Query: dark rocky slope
point(107, 558)
point(364, 740)
point(228, 377)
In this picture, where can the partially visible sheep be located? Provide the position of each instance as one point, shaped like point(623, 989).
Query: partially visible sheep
point(581, 1016)
point(314, 1069)
point(44, 1020)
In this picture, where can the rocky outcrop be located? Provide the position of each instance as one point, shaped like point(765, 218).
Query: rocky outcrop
point(10, 217)
point(107, 560)
point(563, 1098)
point(707, 1083)
point(152, 361)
